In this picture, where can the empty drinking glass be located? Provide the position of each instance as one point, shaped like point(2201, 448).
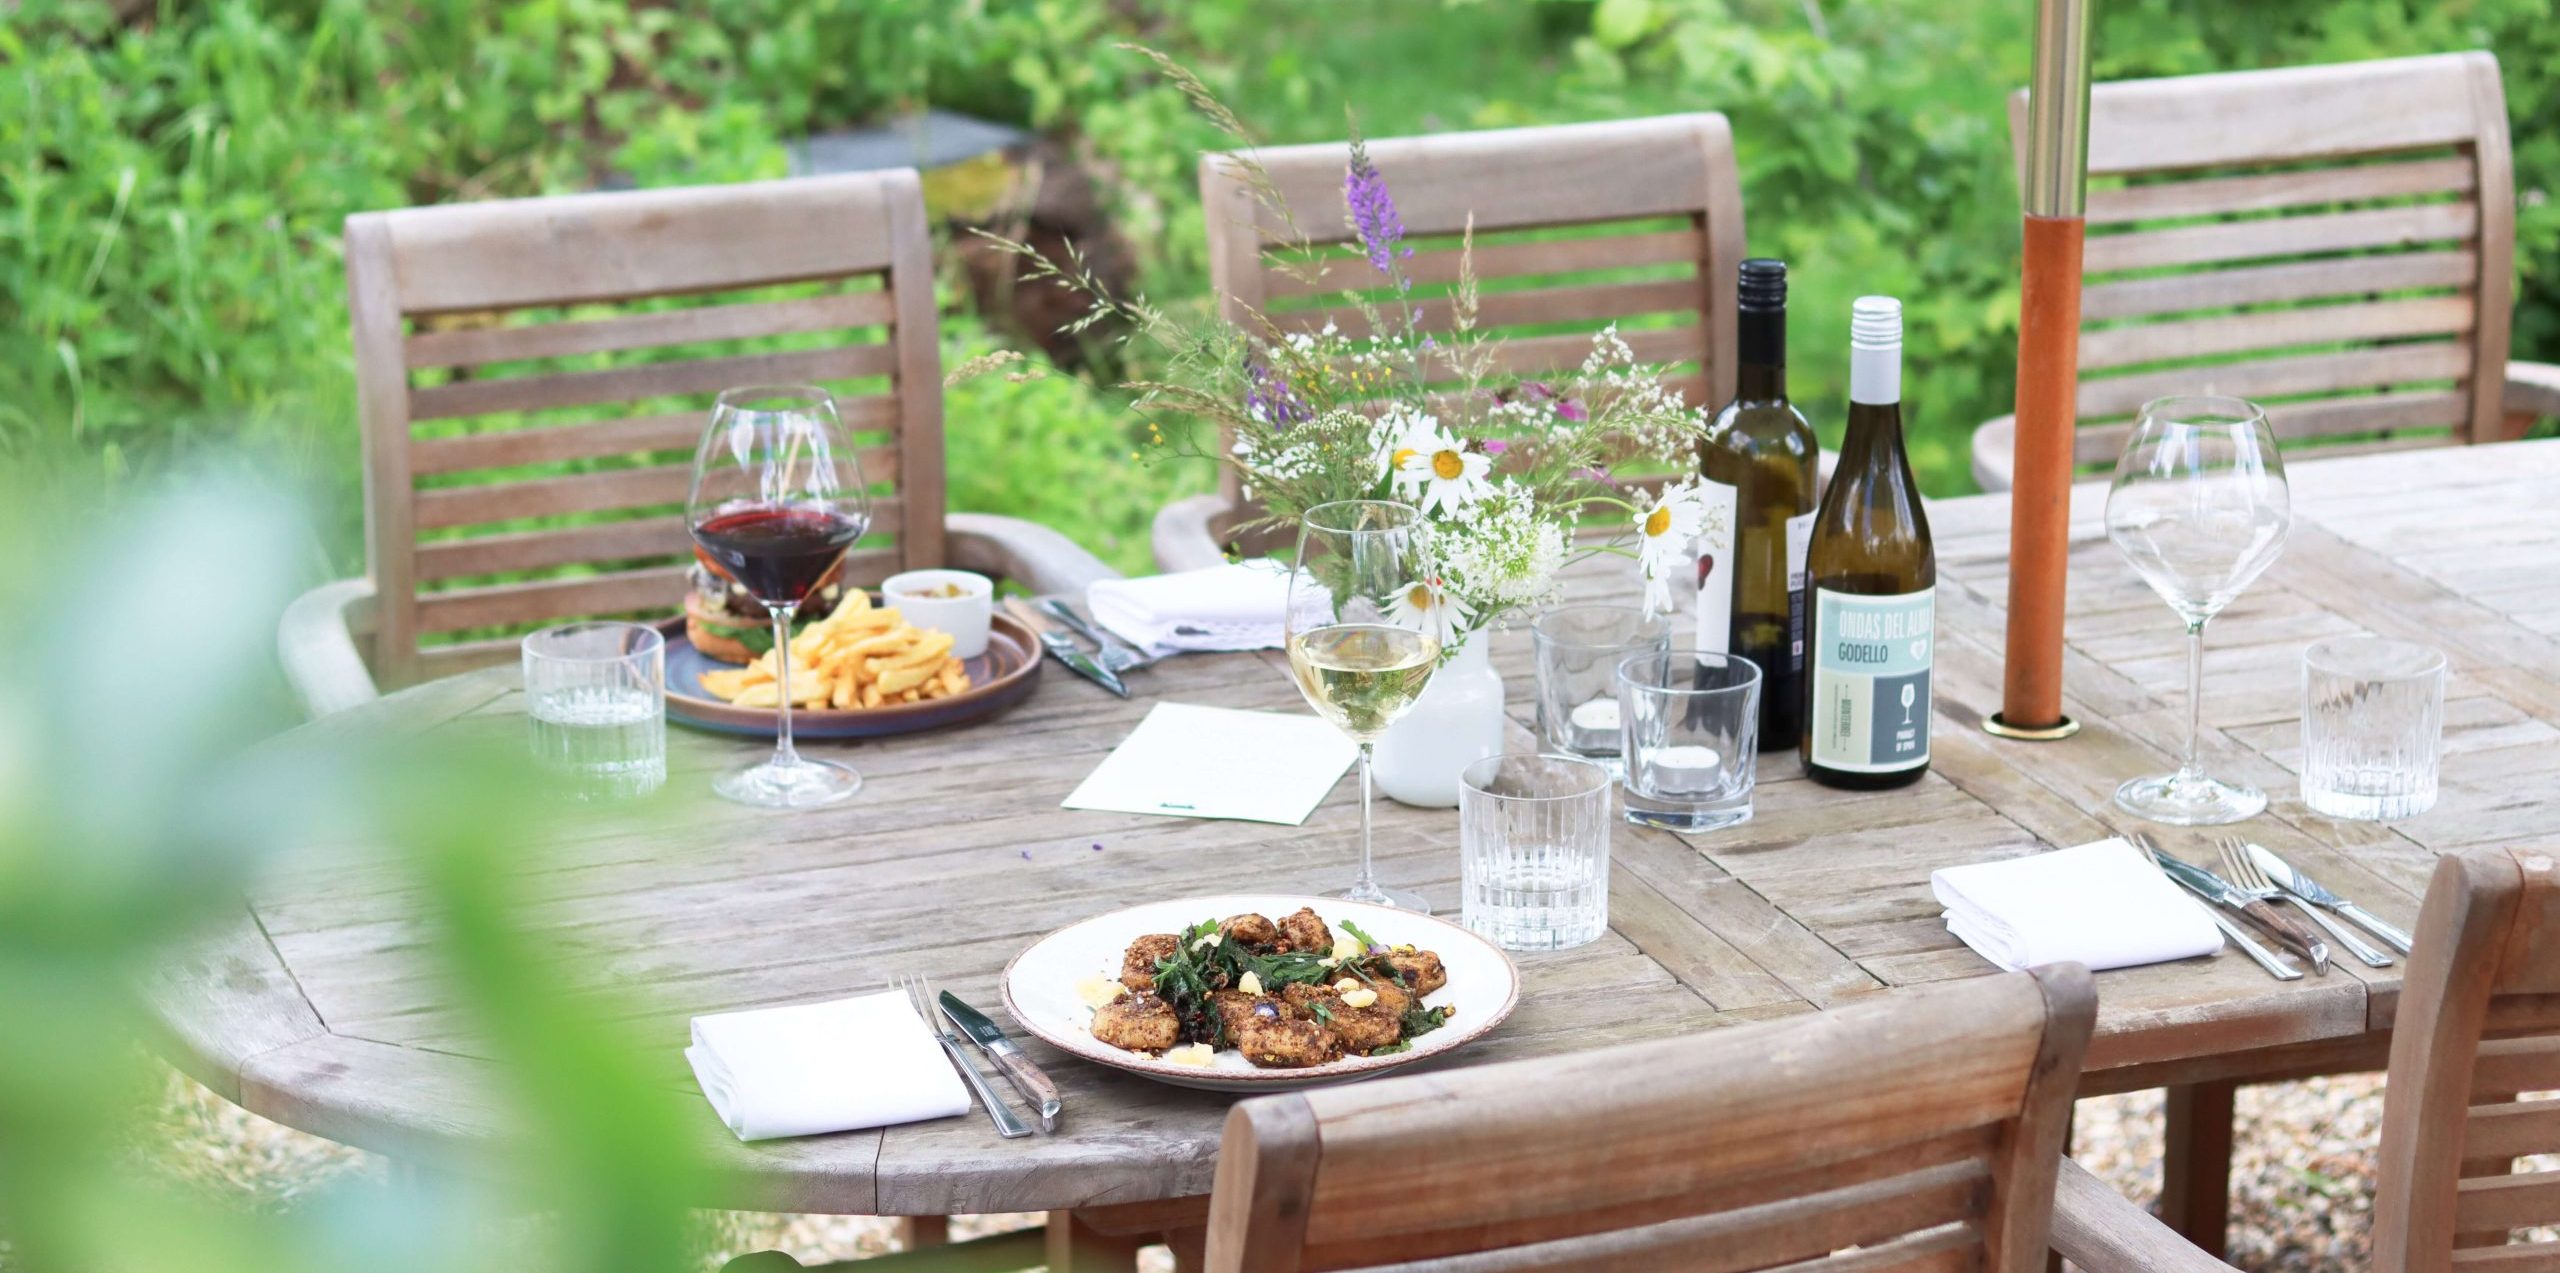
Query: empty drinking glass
point(1690, 737)
point(2372, 727)
point(1578, 649)
point(596, 694)
point(1533, 839)
point(2200, 507)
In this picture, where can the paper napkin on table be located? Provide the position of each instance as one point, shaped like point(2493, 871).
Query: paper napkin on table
point(2100, 904)
point(1238, 606)
point(823, 1067)
point(1219, 762)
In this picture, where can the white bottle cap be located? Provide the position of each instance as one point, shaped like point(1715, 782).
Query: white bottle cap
point(1875, 351)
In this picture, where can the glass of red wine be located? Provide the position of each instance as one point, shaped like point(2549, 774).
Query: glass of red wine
point(778, 496)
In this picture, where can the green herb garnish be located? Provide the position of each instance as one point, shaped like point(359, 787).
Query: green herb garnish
point(1418, 1020)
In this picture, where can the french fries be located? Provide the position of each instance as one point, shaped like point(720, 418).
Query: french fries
point(861, 656)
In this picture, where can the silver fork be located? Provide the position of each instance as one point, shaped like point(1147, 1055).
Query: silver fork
point(919, 993)
point(2249, 878)
point(2267, 959)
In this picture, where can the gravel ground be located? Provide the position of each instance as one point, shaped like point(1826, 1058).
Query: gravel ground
point(2301, 1167)
point(2302, 1176)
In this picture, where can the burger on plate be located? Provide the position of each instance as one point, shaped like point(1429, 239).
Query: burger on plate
point(727, 623)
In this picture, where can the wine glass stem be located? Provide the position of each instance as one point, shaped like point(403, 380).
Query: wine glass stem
point(783, 752)
point(2187, 766)
point(1368, 880)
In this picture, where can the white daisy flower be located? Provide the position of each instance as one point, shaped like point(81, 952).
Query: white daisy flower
point(1425, 605)
point(1443, 474)
point(1401, 435)
point(1666, 530)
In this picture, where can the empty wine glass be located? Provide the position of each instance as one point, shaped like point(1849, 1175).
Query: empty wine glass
point(2200, 508)
point(1357, 666)
point(778, 496)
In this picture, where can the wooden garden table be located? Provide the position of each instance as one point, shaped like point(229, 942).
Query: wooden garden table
point(317, 1009)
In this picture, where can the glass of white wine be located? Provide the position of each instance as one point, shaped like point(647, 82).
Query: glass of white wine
point(1358, 668)
point(2200, 507)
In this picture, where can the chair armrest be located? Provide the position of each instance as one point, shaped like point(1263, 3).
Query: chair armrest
point(2533, 393)
point(2101, 1231)
point(1993, 463)
point(1032, 555)
point(316, 641)
point(1182, 537)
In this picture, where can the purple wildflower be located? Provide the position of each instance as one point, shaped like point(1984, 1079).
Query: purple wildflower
point(1097, 846)
point(1537, 391)
point(1373, 213)
point(1271, 397)
point(1572, 410)
point(1495, 446)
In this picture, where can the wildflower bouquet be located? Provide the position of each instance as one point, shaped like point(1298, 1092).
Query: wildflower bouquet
point(1503, 469)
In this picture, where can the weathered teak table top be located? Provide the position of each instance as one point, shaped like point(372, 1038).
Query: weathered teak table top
point(321, 1013)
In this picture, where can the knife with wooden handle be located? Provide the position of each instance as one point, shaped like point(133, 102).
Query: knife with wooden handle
point(2286, 932)
point(1008, 1056)
point(1063, 647)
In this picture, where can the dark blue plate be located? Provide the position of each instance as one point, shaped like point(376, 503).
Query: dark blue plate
point(998, 679)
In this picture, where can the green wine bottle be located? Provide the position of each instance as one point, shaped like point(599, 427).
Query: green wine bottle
point(1758, 460)
point(1872, 578)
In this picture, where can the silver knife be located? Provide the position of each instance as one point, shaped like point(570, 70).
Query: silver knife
point(2309, 890)
point(1064, 649)
point(2274, 963)
point(1118, 655)
point(2215, 888)
point(1008, 1056)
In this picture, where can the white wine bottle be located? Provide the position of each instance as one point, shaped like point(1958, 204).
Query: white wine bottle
point(1758, 460)
point(1872, 579)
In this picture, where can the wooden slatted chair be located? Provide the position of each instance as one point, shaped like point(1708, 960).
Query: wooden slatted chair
point(2336, 242)
point(1650, 211)
point(2475, 1038)
point(1922, 1129)
point(499, 343)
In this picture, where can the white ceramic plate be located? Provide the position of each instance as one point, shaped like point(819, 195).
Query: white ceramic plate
point(1040, 986)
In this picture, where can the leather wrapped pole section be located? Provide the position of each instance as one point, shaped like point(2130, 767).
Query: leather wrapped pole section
point(2055, 193)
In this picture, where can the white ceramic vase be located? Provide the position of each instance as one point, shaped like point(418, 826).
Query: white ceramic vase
point(1456, 722)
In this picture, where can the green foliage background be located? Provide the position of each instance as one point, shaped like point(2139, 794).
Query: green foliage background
point(169, 267)
point(171, 297)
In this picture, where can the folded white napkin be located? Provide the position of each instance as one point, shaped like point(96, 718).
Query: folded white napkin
point(1238, 606)
point(2099, 904)
point(823, 1067)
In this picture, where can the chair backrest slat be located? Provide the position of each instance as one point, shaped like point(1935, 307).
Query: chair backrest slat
point(1923, 1130)
point(2334, 241)
point(1637, 222)
point(498, 344)
point(2475, 1051)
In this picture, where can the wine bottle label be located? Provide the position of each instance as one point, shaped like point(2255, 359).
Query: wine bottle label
point(1716, 567)
point(1871, 663)
point(1799, 541)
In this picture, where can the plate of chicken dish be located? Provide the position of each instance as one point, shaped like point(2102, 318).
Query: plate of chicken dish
point(1260, 992)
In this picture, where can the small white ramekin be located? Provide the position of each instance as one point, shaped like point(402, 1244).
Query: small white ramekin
point(964, 617)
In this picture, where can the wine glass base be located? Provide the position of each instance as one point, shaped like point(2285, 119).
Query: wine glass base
point(1372, 894)
point(798, 784)
point(2183, 801)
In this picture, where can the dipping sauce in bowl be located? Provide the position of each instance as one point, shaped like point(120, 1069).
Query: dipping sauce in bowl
point(955, 601)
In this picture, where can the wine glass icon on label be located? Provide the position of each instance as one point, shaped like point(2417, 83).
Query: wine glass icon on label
point(1910, 695)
